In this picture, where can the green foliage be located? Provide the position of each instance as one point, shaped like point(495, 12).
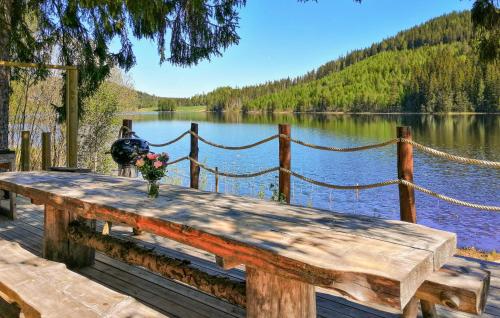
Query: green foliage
point(98, 127)
point(430, 67)
point(80, 33)
point(486, 20)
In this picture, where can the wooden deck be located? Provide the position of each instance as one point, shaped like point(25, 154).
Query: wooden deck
point(178, 300)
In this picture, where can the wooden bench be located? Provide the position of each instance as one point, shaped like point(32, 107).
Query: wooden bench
point(460, 285)
point(42, 288)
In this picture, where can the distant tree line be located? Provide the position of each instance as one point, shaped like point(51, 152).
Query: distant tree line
point(431, 67)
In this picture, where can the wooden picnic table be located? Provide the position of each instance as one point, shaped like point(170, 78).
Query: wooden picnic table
point(287, 250)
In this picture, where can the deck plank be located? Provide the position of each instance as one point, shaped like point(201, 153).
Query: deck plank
point(28, 231)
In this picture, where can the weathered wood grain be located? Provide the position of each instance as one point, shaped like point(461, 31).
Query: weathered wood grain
point(375, 261)
point(42, 288)
point(56, 245)
point(272, 296)
point(459, 285)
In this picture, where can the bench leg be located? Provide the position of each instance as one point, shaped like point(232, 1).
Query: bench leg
point(273, 296)
point(411, 309)
point(57, 247)
point(10, 210)
point(428, 309)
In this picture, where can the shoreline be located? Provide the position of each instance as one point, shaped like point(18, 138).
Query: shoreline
point(303, 113)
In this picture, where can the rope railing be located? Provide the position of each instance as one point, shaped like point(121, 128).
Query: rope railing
point(441, 154)
point(429, 150)
point(171, 141)
point(337, 149)
point(233, 175)
point(449, 199)
point(213, 144)
point(357, 187)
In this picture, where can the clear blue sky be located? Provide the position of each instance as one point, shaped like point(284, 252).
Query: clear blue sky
point(281, 38)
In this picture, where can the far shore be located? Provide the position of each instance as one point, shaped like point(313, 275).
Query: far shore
point(202, 109)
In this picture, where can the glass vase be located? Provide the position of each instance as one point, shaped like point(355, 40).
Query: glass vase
point(153, 188)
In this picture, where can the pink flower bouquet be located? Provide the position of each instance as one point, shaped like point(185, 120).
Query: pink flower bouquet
point(153, 167)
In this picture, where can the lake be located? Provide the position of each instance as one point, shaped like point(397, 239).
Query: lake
point(474, 136)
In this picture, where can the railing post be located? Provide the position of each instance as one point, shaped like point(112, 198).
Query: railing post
point(407, 210)
point(194, 169)
point(405, 172)
point(126, 170)
point(46, 155)
point(72, 118)
point(285, 161)
point(216, 179)
point(25, 151)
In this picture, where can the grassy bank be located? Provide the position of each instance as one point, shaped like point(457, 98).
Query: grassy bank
point(492, 256)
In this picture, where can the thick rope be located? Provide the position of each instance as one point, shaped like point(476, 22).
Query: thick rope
point(449, 199)
point(171, 141)
point(233, 147)
point(437, 153)
point(177, 161)
point(233, 175)
point(341, 187)
point(347, 149)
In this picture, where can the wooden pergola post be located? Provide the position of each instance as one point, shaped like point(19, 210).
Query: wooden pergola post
point(72, 118)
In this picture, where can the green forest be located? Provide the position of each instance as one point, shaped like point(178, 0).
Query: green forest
point(432, 67)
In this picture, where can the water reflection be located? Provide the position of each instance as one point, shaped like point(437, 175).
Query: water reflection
point(476, 136)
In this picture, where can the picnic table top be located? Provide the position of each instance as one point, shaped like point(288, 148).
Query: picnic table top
point(367, 259)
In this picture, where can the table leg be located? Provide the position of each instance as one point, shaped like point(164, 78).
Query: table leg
point(273, 296)
point(10, 210)
point(57, 247)
point(428, 309)
point(411, 309)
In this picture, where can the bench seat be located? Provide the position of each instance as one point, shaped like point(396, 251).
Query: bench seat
point(460, 285)
point(41, 288)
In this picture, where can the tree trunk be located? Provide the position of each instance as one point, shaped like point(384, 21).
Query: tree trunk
point(5, 11)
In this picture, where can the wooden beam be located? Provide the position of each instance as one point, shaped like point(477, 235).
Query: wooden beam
point(25, 150)
point(177, 269)
point(36, 65)
point(285, 155)
point(405, 172)
point(46, 151)
point(460, 285)
point(194, 169)
point(273, 296)
point(72, 118)
point(226, 263)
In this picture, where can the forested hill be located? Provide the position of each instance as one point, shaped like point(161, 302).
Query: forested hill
point(430, 67)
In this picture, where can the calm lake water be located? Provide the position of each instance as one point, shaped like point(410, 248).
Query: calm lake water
point(475, 136)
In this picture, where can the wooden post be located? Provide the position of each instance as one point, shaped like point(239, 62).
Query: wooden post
point(194, 169)
point(411, 309)
point(405, 172)
point(407, 210)
point(216, 179)
point(285, 155)
point(72, 118)
point(270, 296)
point(25, 151)
point(46, 154)
point(56, 245)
